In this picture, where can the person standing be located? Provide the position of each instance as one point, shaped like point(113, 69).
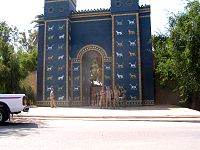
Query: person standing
point(116, 97)
point(124, 96)
point(102, 97)
point(108, 97)
point(52, 98)
point(97, 98)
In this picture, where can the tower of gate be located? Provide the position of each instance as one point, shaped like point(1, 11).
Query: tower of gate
point(55, 28)
point(127, 51)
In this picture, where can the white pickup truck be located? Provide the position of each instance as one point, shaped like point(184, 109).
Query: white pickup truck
point(11, 104)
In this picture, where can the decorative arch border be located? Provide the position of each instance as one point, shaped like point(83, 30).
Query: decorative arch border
point(92, 48)
point(80, 54)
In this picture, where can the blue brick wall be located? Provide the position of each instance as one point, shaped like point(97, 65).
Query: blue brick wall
point(124, 6)
point(124, 33)
point(127, 62)
point(147, 56)
point(40, 60)
point(87, 33)
point(56, 58)
point(60, 9)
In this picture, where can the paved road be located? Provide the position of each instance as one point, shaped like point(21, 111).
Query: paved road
point(85, 134)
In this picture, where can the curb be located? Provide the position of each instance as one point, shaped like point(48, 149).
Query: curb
point(114, 117)
point(184, 119)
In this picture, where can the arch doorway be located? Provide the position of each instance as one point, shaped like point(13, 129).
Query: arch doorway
point(92, 69)
point(91, 72)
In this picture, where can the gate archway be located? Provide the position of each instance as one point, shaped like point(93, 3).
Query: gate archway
point(91, 72)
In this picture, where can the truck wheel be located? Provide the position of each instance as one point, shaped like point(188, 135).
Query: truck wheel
point(3, 116)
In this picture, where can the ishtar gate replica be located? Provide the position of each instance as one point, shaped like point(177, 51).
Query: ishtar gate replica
point(82, 51)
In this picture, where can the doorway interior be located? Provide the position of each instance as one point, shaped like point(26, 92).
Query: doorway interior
point(92, 67)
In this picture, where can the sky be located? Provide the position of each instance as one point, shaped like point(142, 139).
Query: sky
point(20, 13)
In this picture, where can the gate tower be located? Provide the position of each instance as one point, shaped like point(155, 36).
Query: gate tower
point(116, 39)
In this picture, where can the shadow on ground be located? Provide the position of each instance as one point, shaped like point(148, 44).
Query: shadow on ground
point(20, 127)
point(159, 107)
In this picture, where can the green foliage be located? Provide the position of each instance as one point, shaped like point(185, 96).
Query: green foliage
point(28, 60)
point(163, 57)
point(178, 53)
point(4, 32)
point(15, 64)
point(30, 95)
point(9, 69)
point(29, 42)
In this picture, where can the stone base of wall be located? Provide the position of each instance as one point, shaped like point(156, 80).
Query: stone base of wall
point(165, 95)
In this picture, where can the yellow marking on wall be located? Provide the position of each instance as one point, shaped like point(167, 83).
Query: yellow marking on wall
point(56, 20)
point(92, 20)
point(90, 15)
point(67, 63)
point(113, 54)
point(148, 16)
point(44, 63)
point(139, 58)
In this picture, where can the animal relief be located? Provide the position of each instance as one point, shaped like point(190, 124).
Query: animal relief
point(50, 78)
point(76, 68)
point(77, 78)
point(119, 44)
point(60, 68)
point(119, 54)
point(61, 77)
point(119, 33)
point(61, 27)
point(131, 32)
point(132, 54)
point(49, 68)
point(76, 89)
point(120, 66)
point(61, 98)
point(132, 76)
point(51, 37)
point(50, 28)
point(61, 57)
point(119, 76)
point(107, 67)
point(133, 65)
point(50, 47)
point(131, 22)
point(60, 47)
point(133, 87)
point(107, 77)
point(132, 43)
point(50, 57)
point(49, 88)
point(119, 23)
point(60, 88)
point(133, 97)
point(62, 36)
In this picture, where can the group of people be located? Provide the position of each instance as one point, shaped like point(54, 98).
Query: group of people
point(105, 98)
point(108, 98)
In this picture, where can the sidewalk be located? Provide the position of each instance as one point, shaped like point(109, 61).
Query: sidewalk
point(148, 112)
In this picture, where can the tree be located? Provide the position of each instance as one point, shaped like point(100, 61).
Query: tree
point(29, 42)
point(14, 66)
point(178, 53)
point(28, 52)
point(28, 60)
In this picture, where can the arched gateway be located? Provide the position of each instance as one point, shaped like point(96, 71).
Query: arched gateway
point(80, 51)
point(92, 59)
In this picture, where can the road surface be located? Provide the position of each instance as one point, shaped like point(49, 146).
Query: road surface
point(85, 134)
